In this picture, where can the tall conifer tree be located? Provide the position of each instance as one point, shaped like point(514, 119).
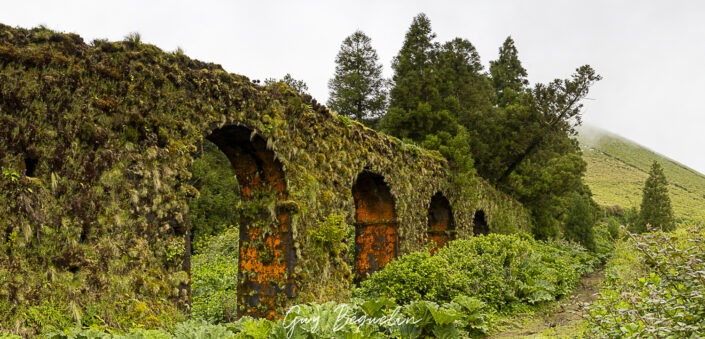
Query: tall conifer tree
point(508, 75)
point(656, 204)
point(358, 89)
point(415, 76)
point(416, 106)
point(518, 138)
point(465, 90)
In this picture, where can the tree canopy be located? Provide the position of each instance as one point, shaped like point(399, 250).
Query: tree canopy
point(357, 89)
point(518, 137)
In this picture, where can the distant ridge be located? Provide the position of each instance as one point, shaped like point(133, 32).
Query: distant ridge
point(618, 167)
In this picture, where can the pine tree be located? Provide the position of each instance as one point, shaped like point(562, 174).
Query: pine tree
point(415, 76)
point(508, 75)
point(518, 138)
point(656, 204)
point(465, 90)
point(416, 106)
point(553, 111)
point(358, 89)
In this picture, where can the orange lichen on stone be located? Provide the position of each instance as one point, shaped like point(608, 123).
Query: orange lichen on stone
point(266, 258)
point(440, 222)
point(376, 232)
point(250, 259)
point(375, 246)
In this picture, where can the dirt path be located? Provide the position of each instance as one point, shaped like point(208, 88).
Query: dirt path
point(563, 320)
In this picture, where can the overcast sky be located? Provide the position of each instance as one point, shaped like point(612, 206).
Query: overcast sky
point(650, 53)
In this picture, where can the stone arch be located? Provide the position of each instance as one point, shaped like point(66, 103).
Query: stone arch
point(441, 226)
point(267, 256)
point(135, 148)
point(376, 229)
point(30, 164)
point(479, 223)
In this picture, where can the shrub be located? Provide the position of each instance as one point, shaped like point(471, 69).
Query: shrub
point(214, 278)
point(605, 239)
point(453, 294)
point(654, 287)
point(614, 210)
point(613, 228)
point(631, 217)
point(329, 234)
point(579, 221)
point(462, 317)
point(499, 270)
point(186, 330)
point(459, 318)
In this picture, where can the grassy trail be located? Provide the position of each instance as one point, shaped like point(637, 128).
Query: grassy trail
point(562, 320)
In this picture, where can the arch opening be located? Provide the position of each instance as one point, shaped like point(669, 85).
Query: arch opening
point(267, 256)
point(479, 223)
point(376, 229)
point(30, 164)
point(441, 226)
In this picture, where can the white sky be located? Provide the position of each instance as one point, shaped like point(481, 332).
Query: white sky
point(650, 53)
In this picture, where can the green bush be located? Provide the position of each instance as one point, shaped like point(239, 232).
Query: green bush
point(186, 330)
point(414, 277)
point(655, 287)
point(462, 317)
point(201, 330)
point(579, 221)
point(631, 218)
point(453, 294)
point(552, 270)
point(214, 278)
point(613, 228)
point(4, 335)
point(375, 318)
point(499, 270)
point(329, 234)
point(605, 237)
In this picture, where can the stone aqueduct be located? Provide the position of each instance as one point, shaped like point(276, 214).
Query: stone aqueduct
point(103, 135)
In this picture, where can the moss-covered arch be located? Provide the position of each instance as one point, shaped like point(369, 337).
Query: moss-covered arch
point(376, 228)
point(479, 223)
point(114, 128)
point(441, 224)
point(267, 258)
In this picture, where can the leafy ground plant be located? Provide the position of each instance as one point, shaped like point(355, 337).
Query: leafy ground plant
point(655, 287)
point(214, 274)
point(503, 271)
point(380, 318)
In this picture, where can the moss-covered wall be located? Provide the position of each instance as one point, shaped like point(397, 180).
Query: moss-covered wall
point(113, 128)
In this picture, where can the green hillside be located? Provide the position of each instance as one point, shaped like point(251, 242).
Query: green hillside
point(617, 169)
